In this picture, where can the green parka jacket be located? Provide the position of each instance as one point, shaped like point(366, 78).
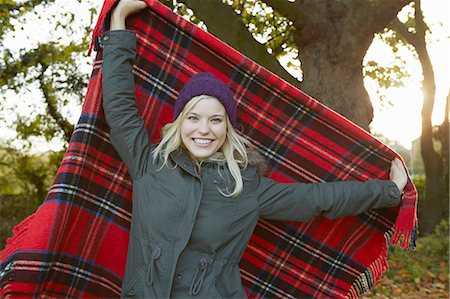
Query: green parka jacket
point(186, 238)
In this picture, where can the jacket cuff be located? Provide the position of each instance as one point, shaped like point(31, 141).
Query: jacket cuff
point(393, 197)
point(119, 37)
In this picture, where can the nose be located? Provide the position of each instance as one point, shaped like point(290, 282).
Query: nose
point(203, 128)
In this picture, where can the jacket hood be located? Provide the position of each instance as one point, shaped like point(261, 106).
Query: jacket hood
point(256, 159)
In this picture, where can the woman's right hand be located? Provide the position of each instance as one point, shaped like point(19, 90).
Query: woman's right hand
point(124, 9)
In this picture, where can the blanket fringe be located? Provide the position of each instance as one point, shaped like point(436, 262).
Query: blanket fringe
point(370, 276)
point(405, 229)
point(19, 233)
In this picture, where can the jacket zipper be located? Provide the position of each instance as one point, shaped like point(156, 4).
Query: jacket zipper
point(175, 262)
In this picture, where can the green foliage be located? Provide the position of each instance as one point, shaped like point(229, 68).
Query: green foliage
point(386, 76)
point(419, 182)
point(26, 174)
point(395, 73)
point(430, 255)
point(268, 27)
point(436, 246)
point(14, 209)
point(389, 75)
point(38, 125)
point(51, 67)
point(13, 10)
point(24, 182)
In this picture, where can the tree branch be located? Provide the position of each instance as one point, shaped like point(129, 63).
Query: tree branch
point(230, 29)
point(30, 4)
point(402, 29)
point(374, 15)
point(21, 65)
point(52, 108)
point(298, 12)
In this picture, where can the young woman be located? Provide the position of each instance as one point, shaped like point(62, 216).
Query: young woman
point(197, 195)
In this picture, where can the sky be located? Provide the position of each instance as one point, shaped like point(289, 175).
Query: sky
point(398, 118)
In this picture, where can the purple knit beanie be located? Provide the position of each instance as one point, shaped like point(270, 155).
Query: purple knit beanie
point(207, 84)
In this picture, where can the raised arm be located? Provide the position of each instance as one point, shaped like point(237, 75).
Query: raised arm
point(303, 202)
point(127, 129)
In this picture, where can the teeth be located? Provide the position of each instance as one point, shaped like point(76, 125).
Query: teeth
point(202, 141)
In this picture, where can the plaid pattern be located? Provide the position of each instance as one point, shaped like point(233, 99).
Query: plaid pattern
point(75, 244)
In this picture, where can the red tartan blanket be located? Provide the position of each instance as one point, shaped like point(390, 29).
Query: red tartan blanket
point(76, 243)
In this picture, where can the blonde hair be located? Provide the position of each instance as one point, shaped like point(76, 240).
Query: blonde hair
point(234, 148)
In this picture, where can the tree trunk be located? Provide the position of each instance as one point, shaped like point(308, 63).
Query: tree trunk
point(435, 204)
point(431, 207)
point(335, 78)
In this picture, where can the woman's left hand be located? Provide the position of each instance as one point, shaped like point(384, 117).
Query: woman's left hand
point(398, 174)
point(124, 9)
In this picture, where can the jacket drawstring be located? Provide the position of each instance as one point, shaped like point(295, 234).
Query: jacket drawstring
point(199, 275)
point(150, 271)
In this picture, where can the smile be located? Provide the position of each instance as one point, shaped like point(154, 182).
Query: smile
point(202, 141)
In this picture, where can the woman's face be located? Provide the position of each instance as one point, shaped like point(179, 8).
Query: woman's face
point(204, 128)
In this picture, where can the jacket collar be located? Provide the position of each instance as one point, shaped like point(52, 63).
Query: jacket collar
point(181, 158)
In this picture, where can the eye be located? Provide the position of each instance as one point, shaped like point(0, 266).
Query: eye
point(216, 120)
point(192, 117)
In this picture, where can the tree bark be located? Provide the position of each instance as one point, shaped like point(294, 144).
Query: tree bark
point(336, 80)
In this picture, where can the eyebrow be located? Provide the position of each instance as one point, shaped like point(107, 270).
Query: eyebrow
point(214, 115)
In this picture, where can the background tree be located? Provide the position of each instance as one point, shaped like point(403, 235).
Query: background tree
point(51, 67)
point(434, 142)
